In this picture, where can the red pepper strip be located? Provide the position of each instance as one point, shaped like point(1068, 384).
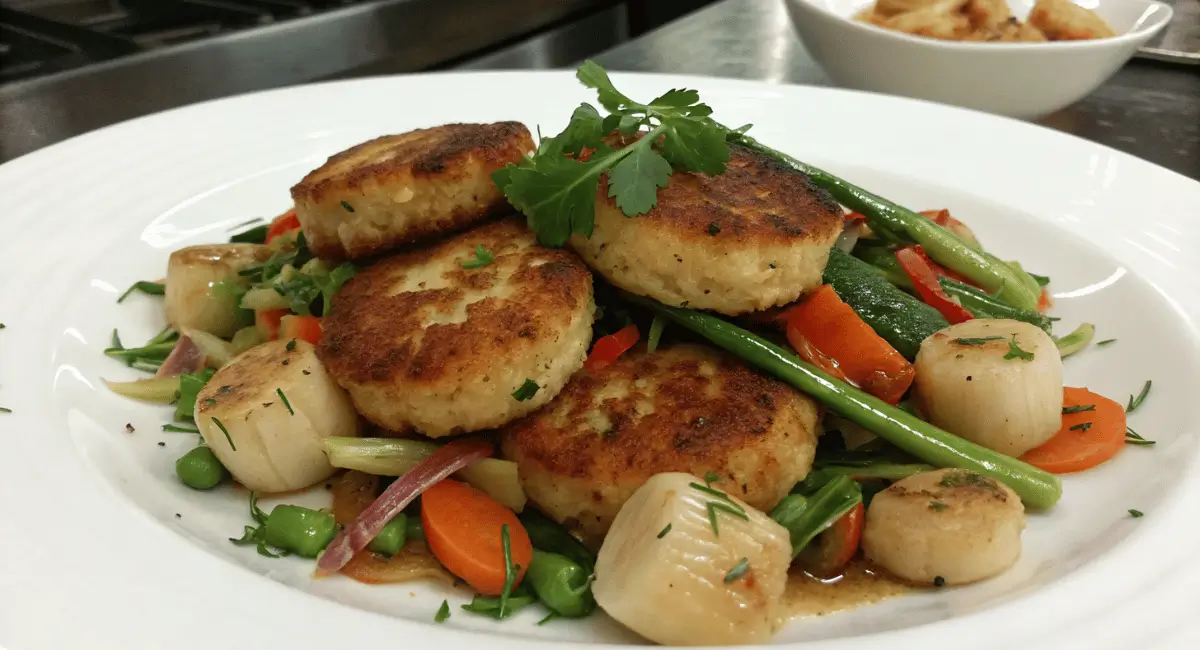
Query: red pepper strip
point(1044, 302)
point(447, 460)
point(609, 348)
point(835, 547)
point(852, 217)
point(282, 225)
point(924, 277)
point(305, 328)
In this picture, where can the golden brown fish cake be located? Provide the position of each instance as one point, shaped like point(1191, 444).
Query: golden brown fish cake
point(754, 237)
point(681, 409)
point(400, 189)
point(422, 343)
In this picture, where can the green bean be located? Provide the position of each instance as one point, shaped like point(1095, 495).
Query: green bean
point(391, 539)
point(562, 585)
point(300, 530)
point(200, 469)
point(976, 301)
point(549, 536)
point(1038, 488)
point(942, 245)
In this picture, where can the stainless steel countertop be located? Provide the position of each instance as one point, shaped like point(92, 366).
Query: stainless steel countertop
point(1148, 109)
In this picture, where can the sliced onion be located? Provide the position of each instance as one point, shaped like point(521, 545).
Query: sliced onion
point(244, 339)
point(160, 390)
point(849, 236)
point(454, 456)
point(185, 357)
point(216, 351)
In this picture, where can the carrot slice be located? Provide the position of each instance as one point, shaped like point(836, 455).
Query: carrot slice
point(609, 348)
point(463, 529)
point(827, 333)
point(1087, 437)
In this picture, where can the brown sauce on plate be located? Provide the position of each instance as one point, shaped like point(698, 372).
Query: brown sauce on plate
point(860, 583)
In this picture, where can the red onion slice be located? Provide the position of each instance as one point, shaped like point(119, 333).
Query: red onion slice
point(447, 460)
point(185, 357)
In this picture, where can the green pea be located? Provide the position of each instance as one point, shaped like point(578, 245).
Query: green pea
point(200, 469)
point(300, 530)
point(562, 585)
point(391, 539)
point(413, 529)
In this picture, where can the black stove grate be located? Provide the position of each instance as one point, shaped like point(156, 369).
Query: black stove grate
point(40, 37)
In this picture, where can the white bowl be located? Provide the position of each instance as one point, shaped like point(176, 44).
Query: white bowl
point(1025, 80)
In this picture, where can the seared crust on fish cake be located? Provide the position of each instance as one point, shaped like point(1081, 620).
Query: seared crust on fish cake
point(755, 237)
point(400, 189)
point(420, 342)
point(681, 409)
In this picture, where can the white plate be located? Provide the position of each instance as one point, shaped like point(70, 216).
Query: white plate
point(94, 555)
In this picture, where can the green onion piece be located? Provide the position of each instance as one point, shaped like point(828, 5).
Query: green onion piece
point(663, 533)
point(656, 330)
point(279, 392)
point(738, 571)
point(526, 391)
point(1075, 341)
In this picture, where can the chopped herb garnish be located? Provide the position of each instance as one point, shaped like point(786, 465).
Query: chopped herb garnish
point(443, 613)
point(939, 581)
point(129, 428)
point(347, 207)
point(279, 392)
point(162, 444)
point(740, 569)
point(180, 428)
point(713, 507)
point(937, 505)
point(1105, 342)
point(255, 235)
point(556, 190)
point(1078, 408)
point(1082, 427)
point(291, 345)
point(116, 341)
point(526, 391)
point(1136, 513)
point(226, 432)
point(978, 341)
point(510, 570)
point(209, 401)
point(482, 258)
point(549, 617)
point(964, 477)
point(713, 492)
point(710, 478)
point(1134, 438)
point(2, 326)
point(1015, 352)
point(5, 409)
point(714, 229)
point(656, 329)
point(663, 533)
point(1135, 402)
point(148, 288)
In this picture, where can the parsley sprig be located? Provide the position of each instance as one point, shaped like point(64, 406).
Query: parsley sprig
point(556, 187)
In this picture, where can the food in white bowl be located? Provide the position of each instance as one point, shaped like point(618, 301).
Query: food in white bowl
point(963, 53)
point(989, 21)
point(682, 466)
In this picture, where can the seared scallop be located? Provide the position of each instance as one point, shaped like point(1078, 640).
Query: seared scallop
point(405, 188)
point(755, 237)
point(950, 526)
point(465, 335)
point(194, 299)
point(681, 409)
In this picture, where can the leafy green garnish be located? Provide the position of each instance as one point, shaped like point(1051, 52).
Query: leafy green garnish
point(443, 613)
point(257, 535)
point(740, 569)
point(526, 391)
point(1136, 513)
point(347, 207)
point(556, 187)
point(5, 409)
point(190, 384)
point(663, 533)
point(1135, 402)
point(978, 341)
point(482, 258)
point(284, 399)
point(226, 432)
point(1015, 352)
point(711, 477)
point(148, 288)
point(804, 519)
point(1134, 438)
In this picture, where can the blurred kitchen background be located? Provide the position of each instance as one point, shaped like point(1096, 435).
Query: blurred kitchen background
point(70, 66)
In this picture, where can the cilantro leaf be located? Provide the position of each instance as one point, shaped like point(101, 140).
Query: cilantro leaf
point(593, 76)
point(482, 258)
point(584, 130)
point(695, 146)
point(558, 196)
point(675, 98)
point(634, 182)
